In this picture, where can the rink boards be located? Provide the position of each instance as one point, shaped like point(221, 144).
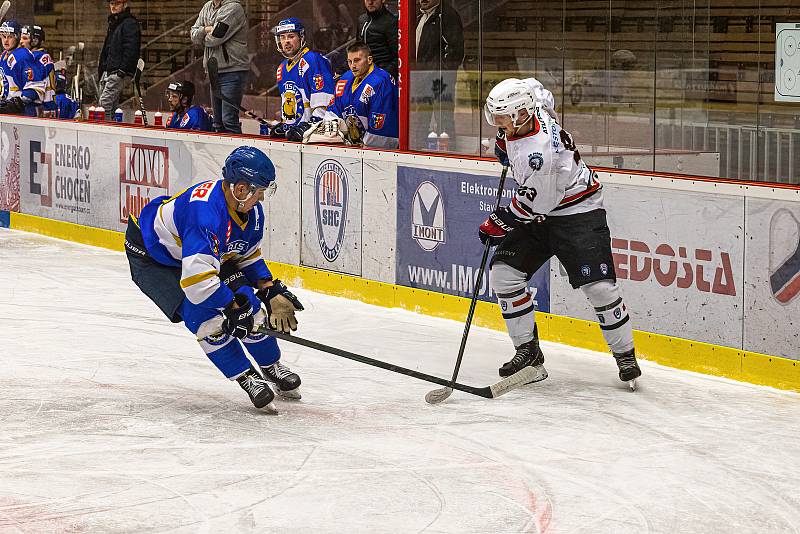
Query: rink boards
point(710, 270)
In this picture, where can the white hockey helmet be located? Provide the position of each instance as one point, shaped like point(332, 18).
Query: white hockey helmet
point(508, 98)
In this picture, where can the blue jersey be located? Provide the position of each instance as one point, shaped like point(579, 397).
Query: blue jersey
point(196, 231)
point(21, 77)
point(373, 100)
point(195, 118)
point(66, 107)
point(305, 84)
point(48, 73)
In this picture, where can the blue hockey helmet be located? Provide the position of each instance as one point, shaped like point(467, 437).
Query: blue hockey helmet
point(251, 165)
point(290, 25)
point(11, 27)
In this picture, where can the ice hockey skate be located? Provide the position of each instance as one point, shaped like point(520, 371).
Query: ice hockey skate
point(258, 389)
point(528, 354)
point(628, 368)
point(286, 382)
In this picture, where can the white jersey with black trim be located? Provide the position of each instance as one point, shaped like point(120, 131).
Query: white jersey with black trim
point(551, 177)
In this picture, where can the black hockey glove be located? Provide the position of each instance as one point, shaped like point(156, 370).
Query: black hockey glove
point(296, 131)
point(279, 131)
point(238, 320)
point(497, 225)
point(12, 106)
point(281, 305)
point(500, 151)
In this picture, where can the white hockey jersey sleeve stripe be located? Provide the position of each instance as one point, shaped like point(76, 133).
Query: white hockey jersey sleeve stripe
point(200, 277)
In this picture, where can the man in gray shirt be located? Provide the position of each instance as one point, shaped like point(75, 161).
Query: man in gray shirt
point(221, 27)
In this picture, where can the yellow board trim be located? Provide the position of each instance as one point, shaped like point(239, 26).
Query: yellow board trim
point(737, 364)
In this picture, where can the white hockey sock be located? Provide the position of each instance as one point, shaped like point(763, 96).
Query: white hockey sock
point(612, 314)
point(516, 302)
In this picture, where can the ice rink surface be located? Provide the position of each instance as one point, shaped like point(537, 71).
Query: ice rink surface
point(113, 420)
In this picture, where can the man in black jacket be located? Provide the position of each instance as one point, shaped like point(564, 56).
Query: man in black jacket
point(439, 53)
point(378, 29)
point(119, 55)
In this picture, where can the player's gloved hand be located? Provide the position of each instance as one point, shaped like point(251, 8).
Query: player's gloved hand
point(296, 131)
point(497, 225)
point(238, 316)
point(279, 130)
point(281, 305)
point(500, 151)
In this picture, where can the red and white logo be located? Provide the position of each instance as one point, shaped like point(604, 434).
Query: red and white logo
point(201, 192)
point(319, 82)
point(340, 85)
point(279, 73)
point(143, 176)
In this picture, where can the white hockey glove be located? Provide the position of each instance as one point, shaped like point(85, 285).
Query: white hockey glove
point(326, 131)
point(281, 305)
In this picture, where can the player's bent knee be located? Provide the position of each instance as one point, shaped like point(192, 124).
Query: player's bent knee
point(504, 279)
point(612, 314)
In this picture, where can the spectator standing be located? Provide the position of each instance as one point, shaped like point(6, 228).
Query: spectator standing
point(377, 28)
point(120, 54)
point(440, 52)
point(221, 27)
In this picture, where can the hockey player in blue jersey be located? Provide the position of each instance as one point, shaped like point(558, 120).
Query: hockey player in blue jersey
point(305, 81)
point(22, 86)
point(33, 40)
point(185, 116)
point(365, 99)
point(197, 256)
point(66, 107)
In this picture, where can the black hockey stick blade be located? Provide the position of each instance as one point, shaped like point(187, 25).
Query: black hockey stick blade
point(524, 376)
point(137, 76)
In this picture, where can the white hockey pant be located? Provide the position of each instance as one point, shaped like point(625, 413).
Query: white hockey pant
point(612, 314)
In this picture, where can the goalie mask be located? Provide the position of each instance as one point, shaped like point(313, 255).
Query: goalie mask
point(507, 99)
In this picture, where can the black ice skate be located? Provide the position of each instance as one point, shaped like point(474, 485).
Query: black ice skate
point(528, 354)
point(287, 383)
point(258, 389)
point(628, 368)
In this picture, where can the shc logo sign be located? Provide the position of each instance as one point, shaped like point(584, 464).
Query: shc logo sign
point(331, 199)
point(59, 174)
point(41, 174)
point(427, 217)
point(143, 176)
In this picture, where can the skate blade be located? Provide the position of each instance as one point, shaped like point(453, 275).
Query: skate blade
point(292, 394)
point(541, 374)
point(632, 384)
point(269, 409)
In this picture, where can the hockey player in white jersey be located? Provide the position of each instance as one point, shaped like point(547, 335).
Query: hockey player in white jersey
point(557, 210)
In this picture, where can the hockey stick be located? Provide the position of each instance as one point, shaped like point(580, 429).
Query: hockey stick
point(438, 395)
point(213, 80)
point(489, 392)
point(136, 78)
point(4, 9)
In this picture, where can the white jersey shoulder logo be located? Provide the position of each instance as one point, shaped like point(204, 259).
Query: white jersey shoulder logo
point(202, 192)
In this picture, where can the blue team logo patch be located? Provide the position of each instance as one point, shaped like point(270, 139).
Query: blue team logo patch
point(604, 269)
point(536, 161)
point(213, 242)
point(586, 270)
point(185, 120)
point(377, 120)
point(217, 340)
point(331, 200)
point(319, 82)
point(617, 313)
point(238, 246)
point(256, 336)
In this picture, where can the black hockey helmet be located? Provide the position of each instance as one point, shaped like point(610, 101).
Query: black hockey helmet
point(35, 33)
point(184, 88)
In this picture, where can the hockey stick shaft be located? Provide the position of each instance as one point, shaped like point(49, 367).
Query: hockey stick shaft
point(478, 283)
point(136, 79)
point(486, 392)
point(213, 80)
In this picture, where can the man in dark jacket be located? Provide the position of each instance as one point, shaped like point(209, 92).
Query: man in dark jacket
point(119, 55)
point(378, 29)
point(439, 53)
